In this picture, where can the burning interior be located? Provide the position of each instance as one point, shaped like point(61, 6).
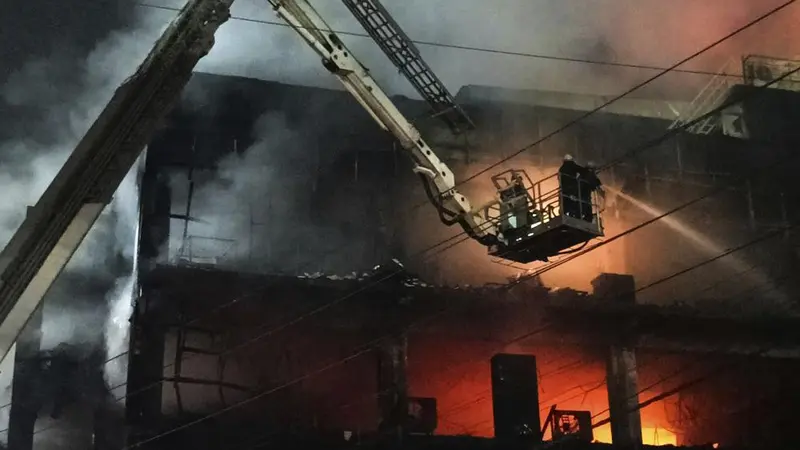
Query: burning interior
point(265, 308)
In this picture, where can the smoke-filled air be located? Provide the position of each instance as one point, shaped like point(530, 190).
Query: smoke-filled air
point(52, 91)
point(57, 113)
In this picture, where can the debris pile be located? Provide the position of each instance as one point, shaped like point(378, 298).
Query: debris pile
point(392, 272)
point(396, 273)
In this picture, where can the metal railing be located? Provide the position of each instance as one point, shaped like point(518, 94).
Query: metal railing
point(760, 70)
point(545, 199)
point(710, 97)
point(205, 251)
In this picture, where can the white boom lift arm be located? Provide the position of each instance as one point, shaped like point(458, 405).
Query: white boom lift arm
point(336, 57)
point(55, 227)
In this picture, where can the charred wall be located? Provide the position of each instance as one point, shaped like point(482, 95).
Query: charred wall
point(345, 207)
point(238, 359)
point(341, 197)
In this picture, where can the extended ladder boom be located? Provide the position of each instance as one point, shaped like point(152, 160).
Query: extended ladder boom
point(301, 16)
point(55, 227)
point(397, 46)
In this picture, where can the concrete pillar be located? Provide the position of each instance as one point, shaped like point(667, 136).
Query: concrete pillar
point(26, 398)
point(145, 362)
point(623, 397)
point(393, 384)
point(621, 371)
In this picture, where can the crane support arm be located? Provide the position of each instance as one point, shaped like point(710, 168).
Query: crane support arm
point(55, 227)
point(338, 59)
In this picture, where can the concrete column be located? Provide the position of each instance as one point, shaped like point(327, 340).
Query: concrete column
point(145, 362)
point(393, 384)
point(623, 398)
point(621, 371)
point(26, 395)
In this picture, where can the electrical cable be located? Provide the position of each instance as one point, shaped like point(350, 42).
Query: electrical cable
point(536, 273)
point(678, 129)
point(646, 145)
point(651, 285)
point(628, 92)
point(671, 69)
point(472, 48)
point(635, 88)
point(684, 368)
point(368, 347)
point(638, 149)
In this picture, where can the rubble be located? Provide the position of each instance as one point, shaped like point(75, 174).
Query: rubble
point(395, 272)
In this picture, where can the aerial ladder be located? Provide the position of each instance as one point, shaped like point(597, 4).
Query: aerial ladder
point(524, 223)
point(402, 52)
point(54, 227)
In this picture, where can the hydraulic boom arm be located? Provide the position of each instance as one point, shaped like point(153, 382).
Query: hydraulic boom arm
point(55, 227)
point(453, 206)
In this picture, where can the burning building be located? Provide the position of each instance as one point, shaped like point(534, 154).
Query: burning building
point(260, 314)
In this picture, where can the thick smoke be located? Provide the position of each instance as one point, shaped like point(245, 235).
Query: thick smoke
point(48, 102)
point(254, 211)
point(31, 162)
point(608, 31)
point(56, 97)
point(644, 32)
point(53, 100)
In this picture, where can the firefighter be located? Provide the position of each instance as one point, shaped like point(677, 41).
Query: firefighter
point(568, 176)
point(589, 184)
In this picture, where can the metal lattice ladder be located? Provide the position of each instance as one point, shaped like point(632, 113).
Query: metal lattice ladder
point(380, 25)
point(710, 97)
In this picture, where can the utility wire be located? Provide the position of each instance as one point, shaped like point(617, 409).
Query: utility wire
point(615, 99)
point(452, 242)
point(558, 263)
point(473, 48)
point(660, 281)
point(635, 151)
point(584, 116)
point(368, 347)
point(684, 368)
point(635, 88)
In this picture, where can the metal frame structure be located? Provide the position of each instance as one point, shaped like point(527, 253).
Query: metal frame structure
point(56, 226)
point(547, 230)
point(400, 49)
point(218, 348)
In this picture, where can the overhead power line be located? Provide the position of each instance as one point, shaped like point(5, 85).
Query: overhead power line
point(316, 310)
point(469, 48)
point(369, 346)
point(453, 242)
point(635, 88)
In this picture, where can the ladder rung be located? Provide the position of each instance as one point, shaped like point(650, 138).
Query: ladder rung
point(401, 51)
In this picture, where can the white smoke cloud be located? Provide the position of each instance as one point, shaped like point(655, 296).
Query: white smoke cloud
point(65, 110)
point(252, 210)
point(31, 165)
point(630, 31)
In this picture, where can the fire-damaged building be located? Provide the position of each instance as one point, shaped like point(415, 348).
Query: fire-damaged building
point(294, 288)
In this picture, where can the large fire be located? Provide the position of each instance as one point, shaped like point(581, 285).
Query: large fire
point(468, 262)
point(567, 380)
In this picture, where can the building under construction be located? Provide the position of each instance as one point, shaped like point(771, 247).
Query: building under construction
point(303, 314)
